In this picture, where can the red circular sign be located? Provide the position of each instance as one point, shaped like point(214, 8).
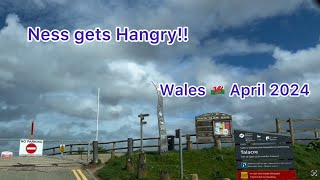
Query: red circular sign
point(31, 148)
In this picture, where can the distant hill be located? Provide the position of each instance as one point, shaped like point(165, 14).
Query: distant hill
point(208, 163)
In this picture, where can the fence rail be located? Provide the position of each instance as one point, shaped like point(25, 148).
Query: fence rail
point(69, 147)
point(291, 129)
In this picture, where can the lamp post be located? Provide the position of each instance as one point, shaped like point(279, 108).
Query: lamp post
point(141, 116)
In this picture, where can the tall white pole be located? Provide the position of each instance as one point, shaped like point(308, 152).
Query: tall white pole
point(98, 101)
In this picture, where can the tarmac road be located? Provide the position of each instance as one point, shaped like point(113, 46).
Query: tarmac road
point(42, 168)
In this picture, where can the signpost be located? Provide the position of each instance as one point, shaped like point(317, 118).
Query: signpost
point(30, 147)
point(264, 156)
point(142, 116)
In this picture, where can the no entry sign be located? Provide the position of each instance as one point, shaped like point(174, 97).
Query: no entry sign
point(30, 147)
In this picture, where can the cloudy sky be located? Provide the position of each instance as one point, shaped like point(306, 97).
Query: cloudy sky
point(229, 42)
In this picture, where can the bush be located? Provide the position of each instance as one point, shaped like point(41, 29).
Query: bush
point(102, 150)
point(315, 145)
point(80, 150)
point(219, 158)
point(217, 175)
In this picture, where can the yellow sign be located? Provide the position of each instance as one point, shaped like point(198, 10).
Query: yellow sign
point(62, 148)
point(244, 175)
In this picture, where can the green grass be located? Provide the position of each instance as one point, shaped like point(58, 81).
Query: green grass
point(209, 164)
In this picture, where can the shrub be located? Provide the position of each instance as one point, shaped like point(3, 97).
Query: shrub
point(315, 145)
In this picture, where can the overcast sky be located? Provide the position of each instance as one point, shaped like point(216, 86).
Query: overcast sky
point(230, 41)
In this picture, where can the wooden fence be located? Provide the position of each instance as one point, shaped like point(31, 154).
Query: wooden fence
point(291, 129)
point(69, 148)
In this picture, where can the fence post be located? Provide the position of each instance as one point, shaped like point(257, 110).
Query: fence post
point(113, 151)
point(95, 152)
point(54, 151)
point(88, 153)
point(277, 126)
point(316, 133)
point(70, 149)
point(217, 142)
point(130, 146)
point(189, 142)
point(291, 130)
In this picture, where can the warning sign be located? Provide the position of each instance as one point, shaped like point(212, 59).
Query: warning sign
point(62, 148)
point(30, 147)
point(265, 175)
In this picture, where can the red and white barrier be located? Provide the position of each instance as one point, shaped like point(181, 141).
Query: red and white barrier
point(6, 154)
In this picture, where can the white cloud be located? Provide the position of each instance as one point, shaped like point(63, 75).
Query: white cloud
point(71, 74)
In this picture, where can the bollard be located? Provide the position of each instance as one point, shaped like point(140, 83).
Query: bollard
point(129, 165)
point(142, 166)
point(165, 175)
point(194, 176)
point(95, 152)
point(130, 147)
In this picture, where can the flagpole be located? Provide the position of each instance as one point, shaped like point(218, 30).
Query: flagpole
point(98, 102)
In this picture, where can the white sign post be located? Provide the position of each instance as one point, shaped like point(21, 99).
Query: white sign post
point(31, 147)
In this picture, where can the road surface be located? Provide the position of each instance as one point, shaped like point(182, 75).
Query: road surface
point(42, 168)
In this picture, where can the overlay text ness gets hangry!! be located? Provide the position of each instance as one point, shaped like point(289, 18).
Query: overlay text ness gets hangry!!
point(121, 34)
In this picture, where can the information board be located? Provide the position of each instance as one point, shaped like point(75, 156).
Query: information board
point(212, 125)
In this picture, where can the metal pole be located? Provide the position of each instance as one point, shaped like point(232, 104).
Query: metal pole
point(32, 130)
point(181, 158)
point(98, 115)
point(141, 134)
